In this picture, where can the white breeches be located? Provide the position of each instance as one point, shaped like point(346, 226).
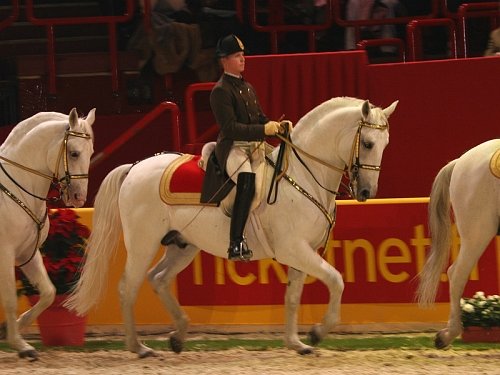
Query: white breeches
point(248, 157)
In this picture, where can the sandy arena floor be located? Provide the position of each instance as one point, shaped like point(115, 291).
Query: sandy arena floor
point(270, 362)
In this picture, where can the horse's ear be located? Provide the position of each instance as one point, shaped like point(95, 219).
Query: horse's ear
point(388, 111)
point(73, 118)
point(365, 109)
point(91, 117)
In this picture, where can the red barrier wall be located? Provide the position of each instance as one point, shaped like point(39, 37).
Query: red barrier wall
point(294, 84)
point(379, 245)
point(446, 107)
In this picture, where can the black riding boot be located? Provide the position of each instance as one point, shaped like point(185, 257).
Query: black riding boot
point(245, 191)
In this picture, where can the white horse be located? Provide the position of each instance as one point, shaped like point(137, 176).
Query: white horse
point(469, 186)
point(342, 134)
point(47, 149)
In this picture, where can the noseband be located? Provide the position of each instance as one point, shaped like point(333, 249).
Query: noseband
point(63, 151)
point(354, 158)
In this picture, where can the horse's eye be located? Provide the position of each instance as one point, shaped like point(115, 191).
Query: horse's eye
point(367, 145)
point(74, 154)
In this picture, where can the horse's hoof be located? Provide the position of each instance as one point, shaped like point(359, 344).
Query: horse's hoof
point(314, 338)
point(438, 342)
point(305, 351)
point(176, 345)
point(3, 331)
point(146, 354)
point(31, 355)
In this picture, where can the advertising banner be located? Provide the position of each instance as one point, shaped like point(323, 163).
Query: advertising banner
point(379, 247)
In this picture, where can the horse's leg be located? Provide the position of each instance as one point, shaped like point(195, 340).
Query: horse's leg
point(140, 253)
point(161, 277)
point(37, 275)
point(310, 263)
point(472, 246)
point(292, 301)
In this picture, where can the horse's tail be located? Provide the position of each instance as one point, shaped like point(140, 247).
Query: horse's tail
point(439, 227)
point(103, 241)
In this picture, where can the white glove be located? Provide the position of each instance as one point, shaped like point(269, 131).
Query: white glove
point(271, 128)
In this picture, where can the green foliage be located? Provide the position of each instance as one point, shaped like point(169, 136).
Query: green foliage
point(481, 310)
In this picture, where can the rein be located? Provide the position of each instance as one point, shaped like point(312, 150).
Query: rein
point(353, 166)
point(55, 181)
point(279, 171)
point(39, 223)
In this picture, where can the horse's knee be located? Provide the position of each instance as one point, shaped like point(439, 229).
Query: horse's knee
point(158, 281)
point(152, 278)
point(47, 296)
point(336, 284)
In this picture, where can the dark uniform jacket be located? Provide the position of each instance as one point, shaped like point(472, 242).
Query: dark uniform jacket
point(238, 113)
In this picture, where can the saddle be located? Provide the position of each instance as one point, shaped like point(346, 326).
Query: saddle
point(182, 180)
point(495, 164)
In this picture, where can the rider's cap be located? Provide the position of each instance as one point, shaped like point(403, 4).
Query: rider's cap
point(228, 45)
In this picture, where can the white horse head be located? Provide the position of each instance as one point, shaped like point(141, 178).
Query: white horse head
point(59, 146)
point(74, 166)
point(359, 132)
point(371, 140)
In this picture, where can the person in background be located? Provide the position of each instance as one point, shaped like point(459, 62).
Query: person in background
point(493, 47)
point(371, 9)
point(243, 125)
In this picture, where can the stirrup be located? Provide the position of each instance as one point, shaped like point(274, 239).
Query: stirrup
point(239, 251)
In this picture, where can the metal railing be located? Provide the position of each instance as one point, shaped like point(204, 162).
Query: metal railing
point(395, 42)
point(14, 14)
point(50, 23)
point(195, 139)
point(358, 24)
point(277, 25)
point(414, 36)
point(144, 122)
point(475, 10)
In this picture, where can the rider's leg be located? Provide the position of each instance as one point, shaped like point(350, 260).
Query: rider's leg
point(245, 190)
point(239, 169)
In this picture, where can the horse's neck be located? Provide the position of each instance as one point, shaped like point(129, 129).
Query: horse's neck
point(24, 127)
point(28, 155)
point(302, 177)
point(326, 134)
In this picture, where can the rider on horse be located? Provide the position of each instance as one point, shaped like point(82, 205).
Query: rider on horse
point(242, 126)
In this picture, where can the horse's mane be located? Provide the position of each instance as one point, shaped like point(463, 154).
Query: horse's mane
point(328, 106)
point(24, 127)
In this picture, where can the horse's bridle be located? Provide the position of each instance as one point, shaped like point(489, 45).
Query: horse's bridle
point(353, 166)
point(55, 180)
point(354, 163)
point(60, 183)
